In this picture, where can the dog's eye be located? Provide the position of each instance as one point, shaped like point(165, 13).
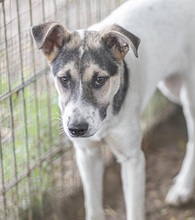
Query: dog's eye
point(100, 81)
point(64, 80)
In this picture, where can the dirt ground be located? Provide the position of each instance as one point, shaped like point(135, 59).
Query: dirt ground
point(164, 148)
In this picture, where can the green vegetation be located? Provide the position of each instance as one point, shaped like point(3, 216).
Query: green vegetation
point(34, 118)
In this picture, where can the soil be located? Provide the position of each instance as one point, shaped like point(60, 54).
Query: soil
point(164, 148)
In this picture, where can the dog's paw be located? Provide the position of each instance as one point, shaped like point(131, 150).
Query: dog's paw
point(178, 195)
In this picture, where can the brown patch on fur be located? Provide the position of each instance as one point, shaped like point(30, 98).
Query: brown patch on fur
point(105, 91)
point(91, 69)
point(51, 56)
point(69, 67)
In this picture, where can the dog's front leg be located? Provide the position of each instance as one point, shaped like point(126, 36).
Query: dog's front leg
point(90, 164)
point(127, 148)
point(133, 178)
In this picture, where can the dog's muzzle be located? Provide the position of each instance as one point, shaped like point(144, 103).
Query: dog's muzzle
point(78, 129)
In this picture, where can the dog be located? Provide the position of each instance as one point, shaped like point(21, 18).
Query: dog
point(105, 77)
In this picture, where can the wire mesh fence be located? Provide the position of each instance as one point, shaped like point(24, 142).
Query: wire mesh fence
point(36, 162)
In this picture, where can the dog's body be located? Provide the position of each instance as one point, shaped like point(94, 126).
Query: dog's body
point(103, 91)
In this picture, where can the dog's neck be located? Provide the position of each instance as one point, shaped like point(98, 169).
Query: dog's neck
point(121, 94)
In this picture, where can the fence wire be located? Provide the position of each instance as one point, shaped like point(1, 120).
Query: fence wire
point(37, 168)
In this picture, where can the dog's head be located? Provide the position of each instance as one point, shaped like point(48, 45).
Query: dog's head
point(88, 68)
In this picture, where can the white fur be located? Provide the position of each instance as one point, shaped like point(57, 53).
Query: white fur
point(167, 33)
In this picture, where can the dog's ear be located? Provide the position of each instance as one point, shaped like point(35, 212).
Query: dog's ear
point(119, 40)
point(50, 37)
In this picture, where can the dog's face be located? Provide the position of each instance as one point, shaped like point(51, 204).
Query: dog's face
point(87, 67)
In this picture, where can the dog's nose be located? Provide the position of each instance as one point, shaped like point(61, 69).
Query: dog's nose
point(78, 130)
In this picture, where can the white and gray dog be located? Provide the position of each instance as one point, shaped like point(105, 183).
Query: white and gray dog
point(103, 90)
